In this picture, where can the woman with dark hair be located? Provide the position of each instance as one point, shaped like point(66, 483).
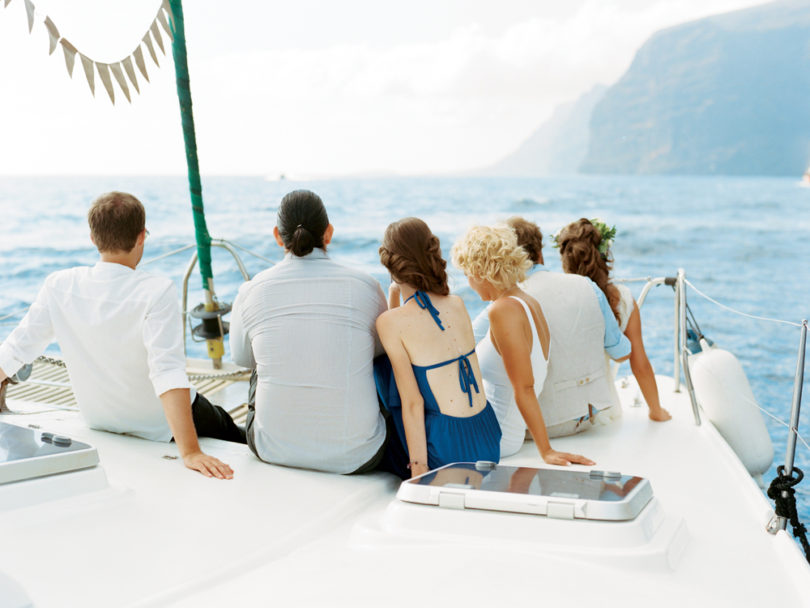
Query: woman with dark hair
point(303, 223)
point(307, 327)
point(585, 250)
point(430, 381)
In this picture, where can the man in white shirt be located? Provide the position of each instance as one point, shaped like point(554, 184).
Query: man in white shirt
point(307, 325)
point(120, 334)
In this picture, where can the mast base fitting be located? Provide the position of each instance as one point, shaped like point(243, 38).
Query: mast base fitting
point(216, 348)
point(212, 321)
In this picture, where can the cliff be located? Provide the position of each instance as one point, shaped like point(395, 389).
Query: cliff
point(728, 94)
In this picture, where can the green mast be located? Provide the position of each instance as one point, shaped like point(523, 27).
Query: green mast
point(215, 345)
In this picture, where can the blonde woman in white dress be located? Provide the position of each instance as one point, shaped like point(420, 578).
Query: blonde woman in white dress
point(513, 356)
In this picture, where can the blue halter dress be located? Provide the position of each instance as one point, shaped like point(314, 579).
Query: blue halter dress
point(449, 438)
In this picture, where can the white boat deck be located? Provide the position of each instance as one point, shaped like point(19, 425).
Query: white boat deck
point(156, 534)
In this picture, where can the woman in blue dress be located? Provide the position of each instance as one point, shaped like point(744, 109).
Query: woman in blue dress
point(430, 381)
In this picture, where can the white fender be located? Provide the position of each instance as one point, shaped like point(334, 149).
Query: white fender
point(723, 392)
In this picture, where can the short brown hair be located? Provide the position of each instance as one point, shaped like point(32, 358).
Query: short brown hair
point(412, 254)
point(116, 219)
point(528, 236)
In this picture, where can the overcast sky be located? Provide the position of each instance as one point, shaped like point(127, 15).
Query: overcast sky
point(315, 87)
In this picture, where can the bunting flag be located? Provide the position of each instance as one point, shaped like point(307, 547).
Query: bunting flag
point(70, 55)
point(53, 34)
point(138, 55)
point(118, 73)
point(156, 35)
point(127, 63)
point(121, 72)
point(161, 16)
point(104, 74)
point(147, 40)
point(29, 9)
point(88, 64)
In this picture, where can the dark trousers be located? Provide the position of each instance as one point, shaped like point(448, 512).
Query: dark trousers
point(212, 421)
point(391, 457)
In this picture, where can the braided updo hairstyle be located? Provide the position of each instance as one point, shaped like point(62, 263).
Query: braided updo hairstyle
point(302, 222)
point(579, 249)
point(411, 253)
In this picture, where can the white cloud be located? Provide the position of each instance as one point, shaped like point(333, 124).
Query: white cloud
point(453, 102)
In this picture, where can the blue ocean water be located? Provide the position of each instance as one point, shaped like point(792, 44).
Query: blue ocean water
point(743, 241)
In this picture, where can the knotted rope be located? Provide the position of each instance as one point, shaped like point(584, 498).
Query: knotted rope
point(783, 493)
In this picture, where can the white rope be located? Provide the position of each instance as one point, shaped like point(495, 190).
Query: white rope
point(13, 314)
point(220, 375)
point(786, 425)
point(637, 280)
point(169, 254)
point(208, 376)
point(744, 314)
point(255, 255)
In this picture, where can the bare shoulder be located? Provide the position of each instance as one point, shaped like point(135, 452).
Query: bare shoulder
point(504, 309)
point(387, 320)
point(392, 318)
point(457, 303)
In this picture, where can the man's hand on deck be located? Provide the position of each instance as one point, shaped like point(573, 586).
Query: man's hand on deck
point(208, 465)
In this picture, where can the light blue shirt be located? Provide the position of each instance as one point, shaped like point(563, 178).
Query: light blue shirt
point(308, 326)
point(616, 343)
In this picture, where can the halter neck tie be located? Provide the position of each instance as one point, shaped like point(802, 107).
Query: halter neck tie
point(423, 300)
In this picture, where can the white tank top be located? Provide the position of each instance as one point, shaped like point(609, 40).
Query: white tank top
point(499, 390)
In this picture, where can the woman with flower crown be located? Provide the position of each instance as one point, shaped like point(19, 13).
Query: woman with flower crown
point(585, 250)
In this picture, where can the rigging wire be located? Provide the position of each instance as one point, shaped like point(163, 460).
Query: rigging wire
point(744, 314)
point(13, 314)
point(169, 254)
point(255, 255)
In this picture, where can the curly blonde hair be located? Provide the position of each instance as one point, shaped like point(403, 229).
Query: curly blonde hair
point(492, 254)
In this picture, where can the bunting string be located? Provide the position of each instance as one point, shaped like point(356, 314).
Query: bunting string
point(121, 72)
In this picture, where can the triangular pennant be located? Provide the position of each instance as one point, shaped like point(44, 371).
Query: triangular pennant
point(104, 73)
point(161, 16)
point(166, 7)
point(116, 70)
point(147, 39)
point(156, 35)
point(89, 72)
point(138, 55)
point(53, 34)
point(70, 55)
point(29, 9)
point(130, 70)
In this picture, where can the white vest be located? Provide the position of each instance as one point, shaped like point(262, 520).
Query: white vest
point(576, 367)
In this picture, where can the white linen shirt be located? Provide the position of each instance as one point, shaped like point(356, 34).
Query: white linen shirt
point(308, 327)
point(121, 336)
